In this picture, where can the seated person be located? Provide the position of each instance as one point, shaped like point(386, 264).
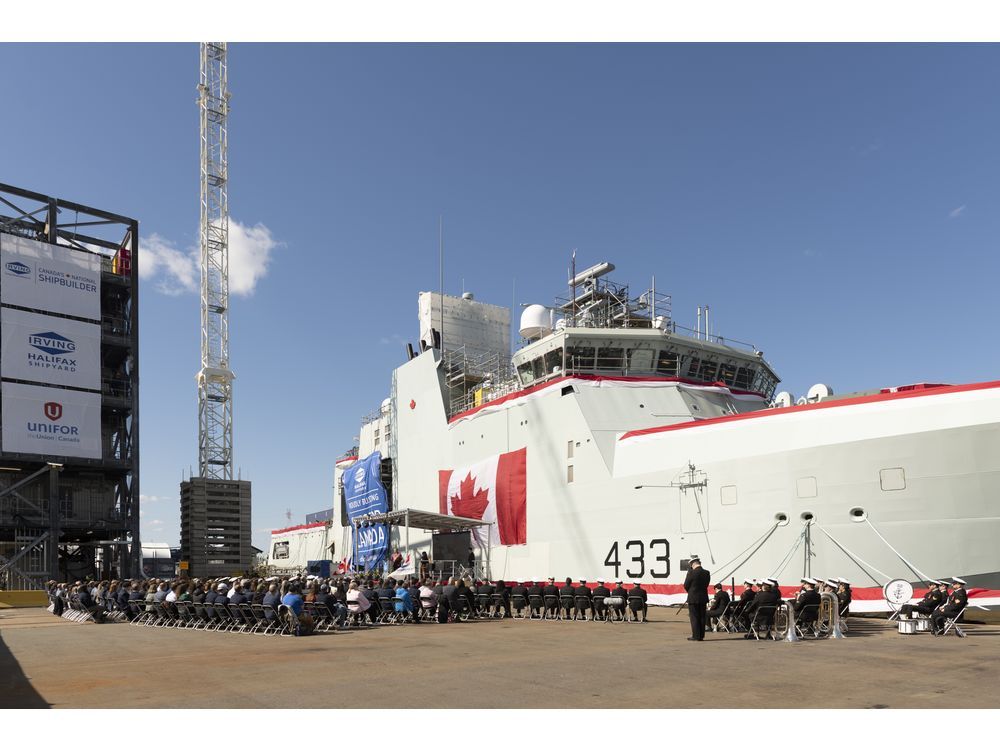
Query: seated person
point(336, 608)
point(271, 599)
point(236, 599)
point(404, 606)
point(844, 596)
point(428, 599)
point(761, 609)
point(535, 603)
point(806, 604)
point(931, 601)
point(519, 597)
point(466, 599)
point(584, 599)
point(637, 601)
point(303, 623)
point(566, 597)
point(601, 593)
point(957, 601)
point(88, 603)
point(501, 598)
point(619, 592)
point(718, 605)
point(550, 597)
point(357, 602)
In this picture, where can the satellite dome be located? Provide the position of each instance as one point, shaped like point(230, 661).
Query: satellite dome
point(536, 322)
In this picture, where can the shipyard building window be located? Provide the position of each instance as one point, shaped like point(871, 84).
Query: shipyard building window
point(666, 364)
point(581, 358)
point(553, 360)
point(610, 358)
point(640, 361)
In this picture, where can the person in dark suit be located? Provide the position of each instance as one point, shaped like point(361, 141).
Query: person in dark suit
point(600, 594)
point(716, 607)
point(519, 596)
point(957, 601)
point(931, 601)
point(696, 584)
point(88, 603)
point(503, 592)
point(550, 595)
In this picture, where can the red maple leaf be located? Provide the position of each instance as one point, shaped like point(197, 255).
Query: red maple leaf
point(468, 503)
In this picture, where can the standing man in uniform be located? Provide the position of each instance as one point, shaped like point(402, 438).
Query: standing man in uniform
point(696, 585)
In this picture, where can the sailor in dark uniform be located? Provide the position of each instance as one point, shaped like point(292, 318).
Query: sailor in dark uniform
point(765, 602)
point(583, 592)
point(535, 603)
point(746, 596)
point(696, 584)
point(637, 601)
point(566, 598)
point(519, 597)
point(550, 595)
point(619, 592)
point(931, 601)
point(720, 601)
point(957, 601)
point(806, 605)
point(600, 594)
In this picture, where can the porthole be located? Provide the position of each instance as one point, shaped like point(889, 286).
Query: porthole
point(858, 515)
point(781, 518)
point(807, 516)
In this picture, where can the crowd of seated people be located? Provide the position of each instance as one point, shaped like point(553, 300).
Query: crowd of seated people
point(753, 611)
point(256, 604)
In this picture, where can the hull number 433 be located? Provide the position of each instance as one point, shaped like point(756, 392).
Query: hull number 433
point(634, 559)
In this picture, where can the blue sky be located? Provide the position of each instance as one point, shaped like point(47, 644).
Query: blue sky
point(835, 205)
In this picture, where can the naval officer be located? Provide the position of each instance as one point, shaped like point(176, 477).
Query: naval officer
point(696, 584)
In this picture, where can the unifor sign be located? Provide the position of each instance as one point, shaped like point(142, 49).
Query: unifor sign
point(364, 495)
point(50, 421)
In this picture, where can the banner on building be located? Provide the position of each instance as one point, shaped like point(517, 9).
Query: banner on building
point(364, 495)
point(494, 490)
point(46, 349)
point(51, 421)
point(54, 278)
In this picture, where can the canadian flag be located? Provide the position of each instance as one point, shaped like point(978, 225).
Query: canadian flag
point(494, 490)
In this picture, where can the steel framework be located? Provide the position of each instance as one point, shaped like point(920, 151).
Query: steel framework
point(215, 379)
point(57, 512)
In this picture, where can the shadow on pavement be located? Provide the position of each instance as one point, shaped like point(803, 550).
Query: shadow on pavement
point(15, 688)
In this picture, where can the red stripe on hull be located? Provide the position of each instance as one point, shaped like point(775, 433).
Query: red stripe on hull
point(875, 398)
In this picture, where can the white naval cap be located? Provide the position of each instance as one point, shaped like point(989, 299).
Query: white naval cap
point(831, 582)
point(957, 580)
point(751, 581)
point(772, 581)
point(843, 580)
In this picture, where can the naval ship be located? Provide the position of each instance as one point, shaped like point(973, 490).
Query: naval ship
point(614, 444)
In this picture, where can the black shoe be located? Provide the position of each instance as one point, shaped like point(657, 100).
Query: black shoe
point(692, 638)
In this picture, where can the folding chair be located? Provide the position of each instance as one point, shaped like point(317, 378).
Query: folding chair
point(566, 606)
point(951, 623)
point(551, 604)
point(600, 609)
point(184, 617)
point(765, 614)
point(809, 616)
point(324, 618)
point(428, 608)
point(535, 607)
point(518, 603)
point(484, 601)
point(635, 608)
point(722, 619)
point(289, 621)
point(498, 609)
point(583, 603)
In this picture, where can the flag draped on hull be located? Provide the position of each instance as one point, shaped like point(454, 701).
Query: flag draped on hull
point(494, 490)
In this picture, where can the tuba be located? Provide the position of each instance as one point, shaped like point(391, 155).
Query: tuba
point(784, 623)
point(828, 622)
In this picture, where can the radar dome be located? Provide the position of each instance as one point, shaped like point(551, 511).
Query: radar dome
point(819, 392)
point(535, 322)
point(784, 399)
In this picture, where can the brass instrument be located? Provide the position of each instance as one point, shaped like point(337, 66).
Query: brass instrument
point(784, 623)
point(828, 621)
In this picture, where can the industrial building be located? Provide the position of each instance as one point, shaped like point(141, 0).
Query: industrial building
point(69, 449)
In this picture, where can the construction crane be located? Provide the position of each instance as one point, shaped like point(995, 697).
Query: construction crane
point(215, 379)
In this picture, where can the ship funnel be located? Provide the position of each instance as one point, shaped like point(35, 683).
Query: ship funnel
point(536, 322)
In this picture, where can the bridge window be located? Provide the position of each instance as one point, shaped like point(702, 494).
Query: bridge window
point(666, 363)
point(640, 361)
point(581, 357)
point(693, 365)
point(553, 360)
point(727, 374)
point(610, 358)
point(744, 378)
point(707, 370)
point(524, 372)
point(538, 368)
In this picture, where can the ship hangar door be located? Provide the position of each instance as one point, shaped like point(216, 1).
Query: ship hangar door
point(694, 510)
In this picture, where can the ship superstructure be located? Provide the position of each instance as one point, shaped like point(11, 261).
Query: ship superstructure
point(614, 444)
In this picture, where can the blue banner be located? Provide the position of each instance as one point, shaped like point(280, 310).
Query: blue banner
point(363, 495)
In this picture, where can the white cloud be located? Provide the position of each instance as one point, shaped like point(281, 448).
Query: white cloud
point(152, 498)
point(176, 271)
point(393, 339)
point(956, 212)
